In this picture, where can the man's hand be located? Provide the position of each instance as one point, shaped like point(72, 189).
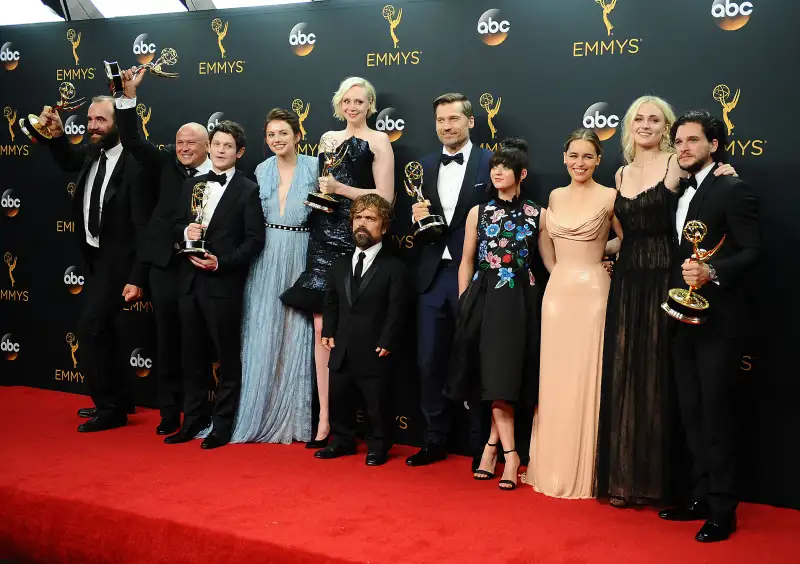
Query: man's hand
point(52, 121)
point(328, 343)
point(695, 274)
point(131, 81)
point(382, 352)
point(421, 209)
point(328, 184)
point(132, 293)
point(195, 231)
point(208, 262)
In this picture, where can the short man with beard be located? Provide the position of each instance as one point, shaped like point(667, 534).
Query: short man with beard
point(707, 356)
point(110, 208)
point(363, 320)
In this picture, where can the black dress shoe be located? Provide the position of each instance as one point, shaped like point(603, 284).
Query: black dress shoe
point(168, 426)
point(428, 454)
point(214, 440)
point(695, 511)
point(716, 530)
point(103, 423)
point(184, 435)
point(322, 443)
point(334, 451)
point(377, 458)
point(89, 412)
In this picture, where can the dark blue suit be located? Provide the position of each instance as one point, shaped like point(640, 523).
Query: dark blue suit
point(437, 284)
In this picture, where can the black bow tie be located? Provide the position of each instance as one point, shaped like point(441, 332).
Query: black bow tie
point(691, 181)
point(447, 159)
point(220, 178)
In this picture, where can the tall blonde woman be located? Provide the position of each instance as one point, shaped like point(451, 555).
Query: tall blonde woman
point(637, 409)
point(367, 166)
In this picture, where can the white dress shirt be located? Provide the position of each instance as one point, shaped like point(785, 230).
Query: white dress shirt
point(369, 257)
point(686, 199)
point(451, 176)
point(112, 157)
point(215, 192)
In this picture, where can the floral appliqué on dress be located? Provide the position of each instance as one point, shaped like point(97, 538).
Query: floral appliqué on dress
point(505, 232)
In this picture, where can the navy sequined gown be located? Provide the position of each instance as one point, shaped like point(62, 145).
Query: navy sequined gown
point(331, 235)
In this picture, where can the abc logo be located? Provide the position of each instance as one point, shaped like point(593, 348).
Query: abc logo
point(73, 281)
point(8, 56)
point(604, 123)
point(143, 49)
point(10, 203)
point(141, 363)
point(392, 127)
point(731, 15)
point(492, 29)
point(301, 42)
point(9, 348)
point(215, 118)
point(74, 130)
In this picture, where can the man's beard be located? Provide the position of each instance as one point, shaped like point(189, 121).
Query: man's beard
point(363, 239)
point(109, 140)
point(698, 165)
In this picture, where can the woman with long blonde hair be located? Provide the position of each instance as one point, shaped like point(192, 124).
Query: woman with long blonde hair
point(636, 410)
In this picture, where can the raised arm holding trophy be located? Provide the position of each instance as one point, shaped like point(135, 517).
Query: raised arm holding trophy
point(116, 78)
point(39, 132)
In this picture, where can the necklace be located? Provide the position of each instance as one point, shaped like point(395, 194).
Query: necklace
point(647, 163)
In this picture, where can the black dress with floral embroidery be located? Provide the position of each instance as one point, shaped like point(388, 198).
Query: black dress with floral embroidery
point(495, 353)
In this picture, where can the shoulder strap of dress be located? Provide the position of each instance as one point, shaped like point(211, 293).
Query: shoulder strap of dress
point(666, 172)
point(621, 177)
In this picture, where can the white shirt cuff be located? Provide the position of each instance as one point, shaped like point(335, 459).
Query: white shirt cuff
point(125, 103)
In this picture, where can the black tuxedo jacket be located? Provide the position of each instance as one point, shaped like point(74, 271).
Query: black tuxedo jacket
point(728, 207)
point(127, 204)
point(476, 189)
point(373, 317)
point(158, 245)
point(235, 235)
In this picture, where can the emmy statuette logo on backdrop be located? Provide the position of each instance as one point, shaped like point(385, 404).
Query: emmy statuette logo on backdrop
point(10, 203)
point(11, 149)
point(8, 56)
point(302, 110)
point(144, 114)
point(731, 15)
point(73, 282)
point(599, 118)
point(141, 363)
point(74, 39)
point(67, 225)
point(226, 65)
point(302, 41)
point(728, 101)
point(392, 126)
point(610, 45)
point(492, 108)
point(397, 57)
point(11, 263)
point(492, 29)
point(14, 294)
point(9, 347)
point(11, 116)
point(70, 375)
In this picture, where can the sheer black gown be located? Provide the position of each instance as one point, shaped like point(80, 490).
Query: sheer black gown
point(331, 235)
point(636, 406)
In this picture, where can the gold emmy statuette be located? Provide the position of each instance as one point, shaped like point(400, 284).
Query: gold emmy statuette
point(393, 18)
point(73, 343)
point(221, 31)
point(11, 116)
point(722, 95)
point(35, 130)
point(297, 107)
point(431, 226)
point(331, 156)
point(200, 195)
point(486, 100)
point(690, 307)
point(75, 40)
point(116, 84)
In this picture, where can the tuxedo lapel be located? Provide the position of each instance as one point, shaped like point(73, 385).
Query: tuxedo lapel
point(113, 184)
point(432, 186)
point(348, 281)
point(697, 201)
point(467, 187)
point(369, 275)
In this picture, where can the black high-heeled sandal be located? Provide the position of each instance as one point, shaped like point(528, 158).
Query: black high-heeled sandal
point(483, 475)
point(512, 483)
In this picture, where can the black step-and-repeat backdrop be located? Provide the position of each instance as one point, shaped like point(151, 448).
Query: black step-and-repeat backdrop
point(534, 69)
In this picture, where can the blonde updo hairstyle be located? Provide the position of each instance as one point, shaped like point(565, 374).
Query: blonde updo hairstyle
point(346, 85)
point(665, 144)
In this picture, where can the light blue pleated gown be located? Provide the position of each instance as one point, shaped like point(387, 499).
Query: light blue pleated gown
point(277, 341)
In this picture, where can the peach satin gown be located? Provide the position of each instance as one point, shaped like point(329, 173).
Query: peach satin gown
point(564, 439)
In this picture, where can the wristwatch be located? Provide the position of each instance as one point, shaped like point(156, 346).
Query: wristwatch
point(712, 274)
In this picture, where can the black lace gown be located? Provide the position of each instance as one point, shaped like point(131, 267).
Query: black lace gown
point(331, 234)
point(636, 406)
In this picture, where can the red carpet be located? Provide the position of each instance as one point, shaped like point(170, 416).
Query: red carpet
point(124, 496)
